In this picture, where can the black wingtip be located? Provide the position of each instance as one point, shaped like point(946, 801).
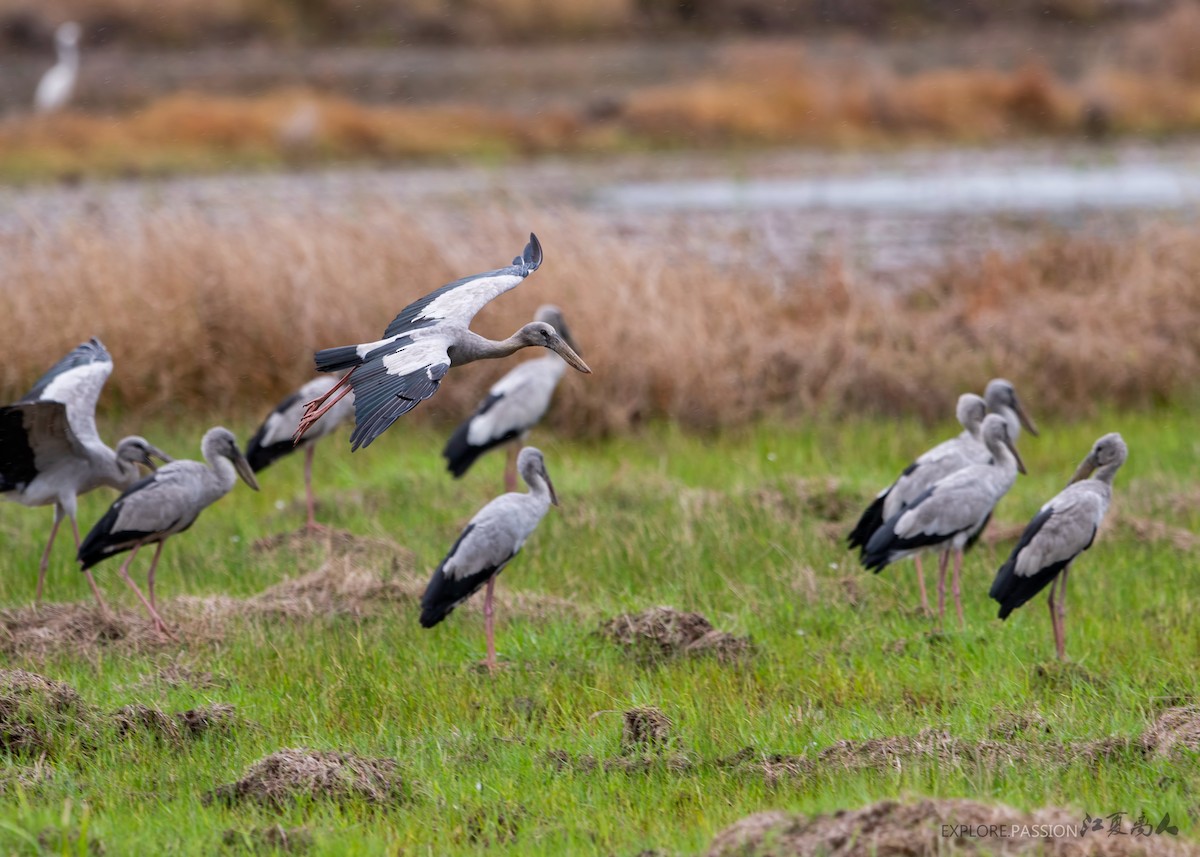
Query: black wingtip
point(532, 257)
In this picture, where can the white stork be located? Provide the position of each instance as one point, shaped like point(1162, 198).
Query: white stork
point(947, 514)
point(391, 376)
point(273, 440)
point(50, 451)
point(165, 503)
point(514, 405)
point(489, 542)
point(1062, 530)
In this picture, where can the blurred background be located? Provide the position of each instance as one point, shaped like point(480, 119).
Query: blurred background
point(784, 207)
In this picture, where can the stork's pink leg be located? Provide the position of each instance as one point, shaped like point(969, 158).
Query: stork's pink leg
point(150, 574)
point(87, 573)
point(315, 409)
point(489, 611)
point(921, 584)
point(943, 561)
point(954, 584)
point(159, 624)
point(510, 468)
point(1062, 614)
point(45, 563)
point(1058, 640)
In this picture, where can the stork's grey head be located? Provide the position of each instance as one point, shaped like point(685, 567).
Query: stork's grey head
point(531, 464)
point(1001, 396)
point(1107, 455)
point(996, 438)
point(219, 442)
point(68, 34)
point(970, 412)
point(552, 315)
point(137, 450)
point(540, 333)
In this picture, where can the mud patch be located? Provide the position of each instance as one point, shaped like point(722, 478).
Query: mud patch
point(268, 840)
point(24, 777)
point(325, 775)
point(663, 632)
point(677, 764)
point(69, 841)
point(1176, 730)
point(83, 629)
point(38, 715)
point(891, 829)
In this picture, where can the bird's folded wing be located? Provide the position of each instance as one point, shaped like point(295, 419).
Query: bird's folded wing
point(392, 383)
point(158, 502)
point(1069, 529)
point(458, 302)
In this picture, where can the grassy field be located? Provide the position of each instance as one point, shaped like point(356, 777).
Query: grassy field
point(745, 528)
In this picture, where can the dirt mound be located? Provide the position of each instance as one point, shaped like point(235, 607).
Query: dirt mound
point(292, 774)
point(192, 723)
point(84, 629)
point(932, 827)
point(585, 763)
point(268, 840)
point(1175, 729)
point(37, 714)
point(645, 730)
point(665, 632)
point(24, 777)
point(1152, 530)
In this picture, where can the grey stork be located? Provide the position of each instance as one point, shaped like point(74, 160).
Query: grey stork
point(1063, 529)
point(931, 466)
point(392, 375)
point(166, 502)
point(488, 543)
point(950, 512)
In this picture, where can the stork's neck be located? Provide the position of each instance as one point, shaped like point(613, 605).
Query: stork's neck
point(471, 347)
point(538, 489)
point(1003, 456)
point(1106, 473)
point(222, 468)
point(68, 55)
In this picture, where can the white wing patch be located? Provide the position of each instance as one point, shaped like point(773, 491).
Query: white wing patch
point(367, 347)
point(420, 354)
point(462, 303)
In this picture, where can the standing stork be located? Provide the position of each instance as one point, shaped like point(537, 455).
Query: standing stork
point(50, 451)
point(948, 513)
point(1062, 530)
point(931, 466)
point(513, 406)
point(273, 440)
point(163, 504)
point(391, 376)
point(55, 88)
point(489, 542)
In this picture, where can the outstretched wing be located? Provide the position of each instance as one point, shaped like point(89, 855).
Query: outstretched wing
point(76, 381)
point(394, 381)
point(461, 300)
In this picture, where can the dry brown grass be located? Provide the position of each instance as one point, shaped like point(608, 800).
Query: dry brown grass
point(221, 320)
point(1147, 81)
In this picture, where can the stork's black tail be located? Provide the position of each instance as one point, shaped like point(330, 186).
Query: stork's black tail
point(459, 453)
point(337, 359)
point(260, 457)
point(871, 520)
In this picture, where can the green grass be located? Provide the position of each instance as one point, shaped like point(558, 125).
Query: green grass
point(740, 528)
